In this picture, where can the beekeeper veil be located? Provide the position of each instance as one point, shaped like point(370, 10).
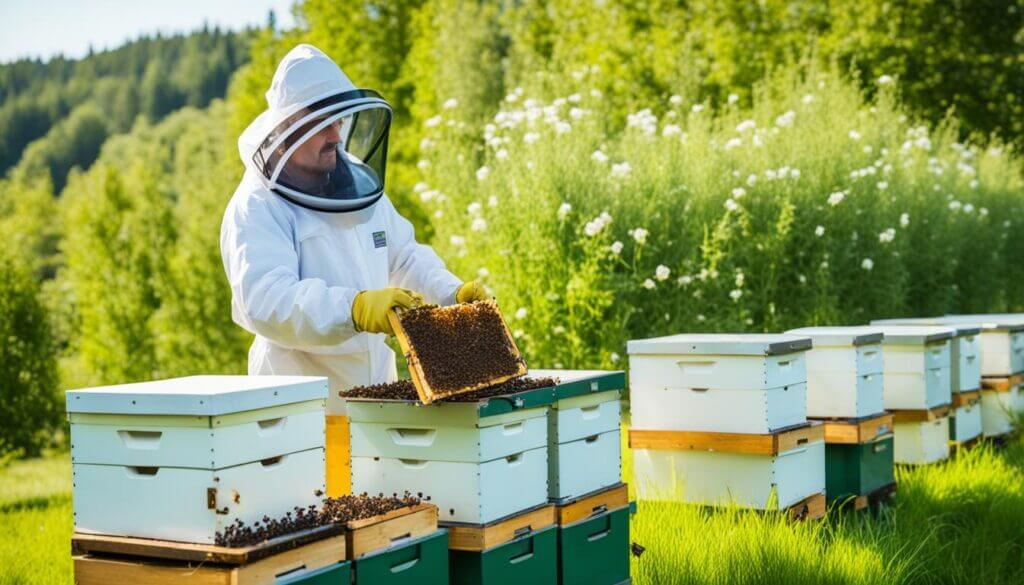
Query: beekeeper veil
point(322, 143)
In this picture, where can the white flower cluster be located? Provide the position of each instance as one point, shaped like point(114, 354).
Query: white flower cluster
point(644, 120)
point(836, 198)
point(887, 236)
point(917, 137)
point(597, 225)
point(639, 234)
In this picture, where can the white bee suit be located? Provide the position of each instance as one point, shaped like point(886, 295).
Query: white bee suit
point(295, 262)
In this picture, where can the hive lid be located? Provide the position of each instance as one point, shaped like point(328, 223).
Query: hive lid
point(830, 336)
point(197, 395)
point(720, 344)
point(962, 329)
point(915, 334)
point(1011, 322)
point(581, 382)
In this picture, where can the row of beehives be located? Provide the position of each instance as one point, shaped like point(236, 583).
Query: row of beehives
point(727, 417)
point(180, 460)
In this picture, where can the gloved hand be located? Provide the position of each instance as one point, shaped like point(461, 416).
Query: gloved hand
point(471, 291)
point(370, 308)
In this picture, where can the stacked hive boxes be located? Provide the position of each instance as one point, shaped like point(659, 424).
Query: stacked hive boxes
point(965, 423)
point(182, 459)
point(918, 390)
point(492, 466)
point(1002, 362)
point(845, 391)
point(723, 418)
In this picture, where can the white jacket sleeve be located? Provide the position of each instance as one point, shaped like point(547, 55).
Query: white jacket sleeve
point(267, 296)
point(416, 266)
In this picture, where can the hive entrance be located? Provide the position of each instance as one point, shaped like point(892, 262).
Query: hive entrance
point(456, 349)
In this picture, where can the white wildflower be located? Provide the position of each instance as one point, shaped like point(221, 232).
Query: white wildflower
point(671, 130)
point(968, 208)
point(836, 198)
point(474, 208)
point(904, 220)
point(675, 100)
point(733, 98)
point(735, 294)
point(563, 127)
point(492, 201)
point(882, 185)
point(616, 247)
point(599, 156)
point(785, 119)
point(819, 231)
point(854, 135)
point(885, 80)
point(614, 357)
point(746, 125)
point(483, 272)
point(731, 205)
point(531, 137)
point(955, 205)
point(649, 284)
point(733, 143)
point(457, 241)
point(983, 211)
point(808, 98)
point(563, 210)
point(697, 108)
point(751, 179)
point(501, 154)
point(887, 236)
point(684, 280)
point(867, 264)
point(639, 234)
point(478, 225)
point(432, 121)
point(450, 103)
point(739, 192)
point(521, 313)
point(662, 272)
point(482, 173)
point(621, 169)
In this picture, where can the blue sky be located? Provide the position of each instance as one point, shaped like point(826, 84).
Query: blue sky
point(44, 28)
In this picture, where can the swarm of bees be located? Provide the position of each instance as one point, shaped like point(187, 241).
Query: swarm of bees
point(404, 390)
point(333, 511)
point(461, 345)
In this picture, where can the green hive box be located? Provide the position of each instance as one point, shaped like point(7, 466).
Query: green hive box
point(857, 470)
point(423, 561)
point(595, 551)
point(530, 559)
point(335, 574)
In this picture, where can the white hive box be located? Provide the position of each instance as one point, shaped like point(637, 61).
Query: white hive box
point(917, 366)
point(584, 447)
point(921, 443)
point(998, 411)
point(844, 371)
point(716, 478)
point(718, 382)
point(477, 461)
point(181, 459)
point(966, 423)
point(1002, 342)
point(965, 352)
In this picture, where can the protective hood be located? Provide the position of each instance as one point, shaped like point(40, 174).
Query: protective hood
point(322, 143)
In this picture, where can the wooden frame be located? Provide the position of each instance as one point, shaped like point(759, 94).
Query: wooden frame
point(198, 553)
point(604, 501)
point(962, 399)
point(370, 535)
point(419, 379)
point(810, 508)
point(853, 431)
point(770, 444)
point(1003, 384)
point(477, 538)
point(908, 416)
point(98, 570)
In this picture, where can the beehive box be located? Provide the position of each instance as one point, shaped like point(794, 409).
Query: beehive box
point(965, 424)
point(998, 408)
point(1002, 341)
point(723, 468)
point(922, 441)
point(584, 449)
point(416, 561)
point(718, 382)
point(917, 366)
point(965, 351)
point(478, 461)
point(844, 371)
point(181, 459)
point(595, 550)
point(531, 558)
point(858, 469)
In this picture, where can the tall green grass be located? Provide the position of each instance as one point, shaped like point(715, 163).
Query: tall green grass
point(36, 521)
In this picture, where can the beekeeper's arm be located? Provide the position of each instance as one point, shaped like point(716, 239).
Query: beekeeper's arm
point(416, 266)
point(269, 298)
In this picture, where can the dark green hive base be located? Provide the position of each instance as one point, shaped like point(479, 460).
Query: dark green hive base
point(595, 551)
point(531, 559)
point(856, 470)
point(336, 574)
point(423, 561)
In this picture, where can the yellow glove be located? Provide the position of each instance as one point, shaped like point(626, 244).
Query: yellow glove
point(471, 291)
point(370, 308)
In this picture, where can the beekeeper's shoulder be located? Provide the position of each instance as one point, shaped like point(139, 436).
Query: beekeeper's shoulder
point(253, 202)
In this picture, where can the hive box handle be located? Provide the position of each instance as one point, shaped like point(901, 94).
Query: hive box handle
point(295, 571)
point(512, 428)
point(413, 463)
point(405, 565)
point(412, 437)
point(401, 538)
point(141, 440)
point(590, 412)
point(515, 459)
point(141, 472)
point(271, 426)
point(697, 367)
point(271, 461)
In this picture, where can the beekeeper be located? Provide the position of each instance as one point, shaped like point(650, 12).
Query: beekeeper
point(314, 251)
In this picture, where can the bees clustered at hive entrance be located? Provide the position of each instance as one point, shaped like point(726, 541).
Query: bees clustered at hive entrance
point(461, 346)
point(333, 511)
point(405, 390)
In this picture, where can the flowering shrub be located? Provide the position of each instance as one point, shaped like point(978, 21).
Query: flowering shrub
point(814, 206)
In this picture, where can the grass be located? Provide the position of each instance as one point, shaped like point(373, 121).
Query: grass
point(961, 521)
